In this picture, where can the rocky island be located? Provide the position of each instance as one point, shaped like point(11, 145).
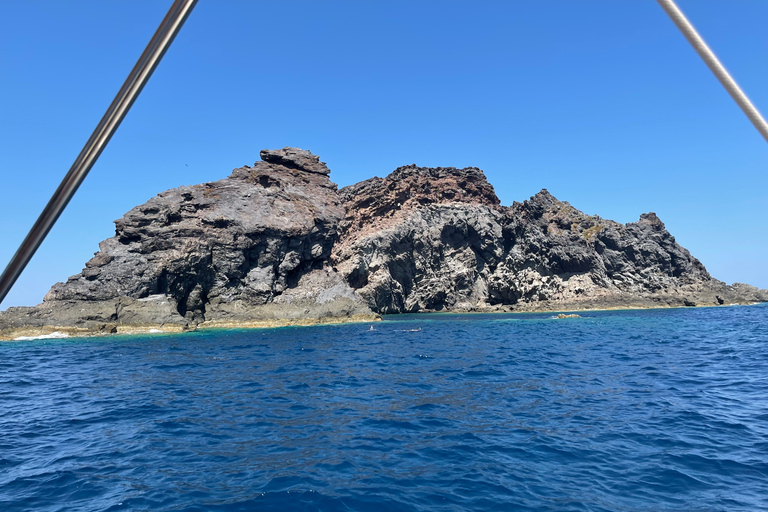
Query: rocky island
point(278, 244)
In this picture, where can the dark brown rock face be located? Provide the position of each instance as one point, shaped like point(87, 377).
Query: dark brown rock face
point(252, 247)
point(278, 243)
point(247, 237)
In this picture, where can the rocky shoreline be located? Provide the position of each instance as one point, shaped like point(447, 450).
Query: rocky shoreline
point(58, 332)
point(277, 244)
point(68, 331)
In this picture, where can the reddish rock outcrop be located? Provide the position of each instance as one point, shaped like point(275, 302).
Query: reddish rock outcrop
point(407, 245)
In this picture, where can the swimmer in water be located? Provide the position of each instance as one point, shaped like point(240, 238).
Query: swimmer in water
point(371, 329)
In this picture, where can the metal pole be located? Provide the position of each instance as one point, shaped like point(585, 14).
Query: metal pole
point(708, 56)
point(130, 90)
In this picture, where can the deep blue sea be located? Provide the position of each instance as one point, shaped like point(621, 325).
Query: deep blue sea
point(616, 411)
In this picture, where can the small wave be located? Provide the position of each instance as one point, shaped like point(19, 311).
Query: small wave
point(51, 336)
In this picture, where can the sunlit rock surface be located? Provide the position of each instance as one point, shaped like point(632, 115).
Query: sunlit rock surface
point(277, 244)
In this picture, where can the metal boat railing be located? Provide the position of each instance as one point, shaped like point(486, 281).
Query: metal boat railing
point(114, 115)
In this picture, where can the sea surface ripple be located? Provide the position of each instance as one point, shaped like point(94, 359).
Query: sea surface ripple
point(616, 411)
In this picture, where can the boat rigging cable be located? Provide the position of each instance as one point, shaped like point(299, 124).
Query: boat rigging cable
point(147, 63)
point(709, 58)
point(114, 115)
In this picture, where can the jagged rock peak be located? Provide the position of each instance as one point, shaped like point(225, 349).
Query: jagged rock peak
point(410, 188)
point(295, 158)
point(406, 171)
point(544, 204)
point(411, 185)
point(544, 198)
point(652, 219)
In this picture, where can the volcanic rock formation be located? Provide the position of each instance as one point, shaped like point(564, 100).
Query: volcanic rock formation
point(251, 249)
point(436, 239)
point(277, 244)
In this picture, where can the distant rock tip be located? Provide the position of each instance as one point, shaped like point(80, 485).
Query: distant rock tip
point(295, 158)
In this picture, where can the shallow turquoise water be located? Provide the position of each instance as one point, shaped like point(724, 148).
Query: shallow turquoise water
point(626, 410)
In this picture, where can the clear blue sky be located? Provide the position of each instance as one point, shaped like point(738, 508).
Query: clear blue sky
point(604, 103)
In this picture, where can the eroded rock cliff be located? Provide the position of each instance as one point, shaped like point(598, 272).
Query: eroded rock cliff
point(276, 244)
point(251, 249)
point(407, 248)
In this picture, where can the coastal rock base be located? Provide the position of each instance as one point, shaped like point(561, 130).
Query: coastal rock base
point(57, 331)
